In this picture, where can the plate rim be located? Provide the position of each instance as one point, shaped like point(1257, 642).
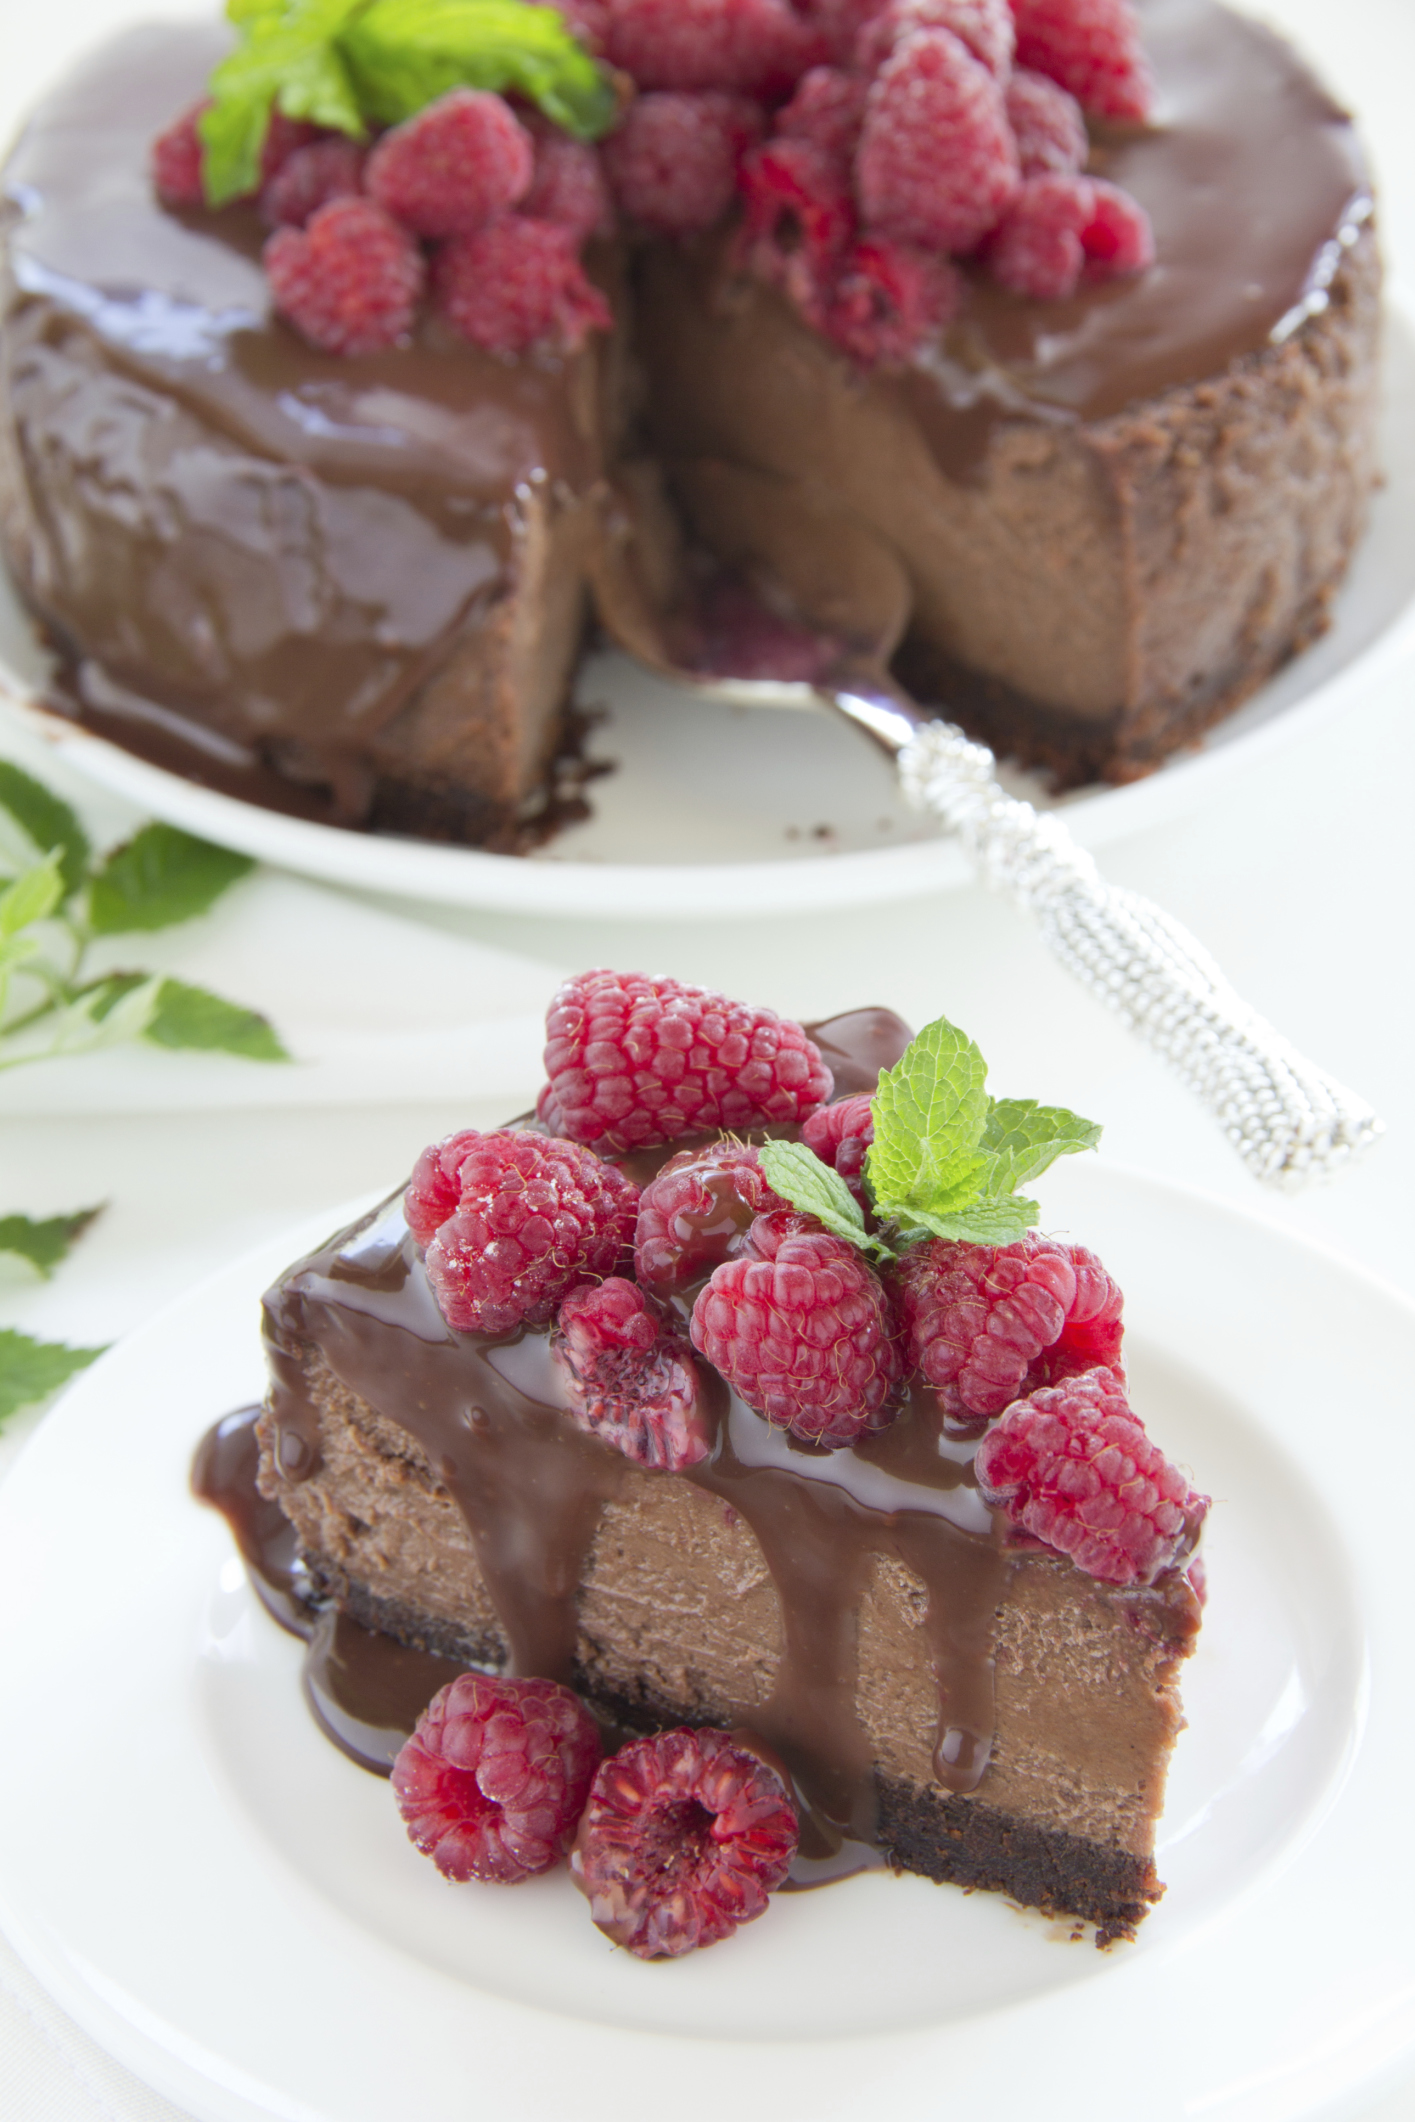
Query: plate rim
point(855, 2059)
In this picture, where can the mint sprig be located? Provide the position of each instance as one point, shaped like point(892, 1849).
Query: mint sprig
point(946, 1160)
point(344, 63)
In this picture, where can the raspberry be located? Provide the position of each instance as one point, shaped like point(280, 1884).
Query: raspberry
point(309, 178)
point(494, 1779)
point(1061, 226)
point(800, 1326)
point(985, 1324)
point(937, 164)
point(984, 26)
point(568, 186)
point(840, 1134)
point(795, 198)
point(684, 1837)
point(588, 19)
point(518, 283)
point(887, 299)
point(756, 46)
point(632, 1061)
point(673, 162)
point(697, 1213)
point(629, 1380)
point(827, 109)
point(176, 160)
point(449, 169)
point(511, 1223)
point(1072, 1466)
point(1046, 123)
point(349, 282)
point(1092, 47)
point(283, 136)
point(835, 25)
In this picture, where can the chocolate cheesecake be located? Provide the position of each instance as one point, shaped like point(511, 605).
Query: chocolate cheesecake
point(971, 1706)
point(357, 588)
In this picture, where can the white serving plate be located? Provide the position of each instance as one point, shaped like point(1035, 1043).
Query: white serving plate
point(230, 1906)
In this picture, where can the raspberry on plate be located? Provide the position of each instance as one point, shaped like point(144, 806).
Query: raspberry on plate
point(1093, 48)
point(349, 282)
point(511, 1223)
point(1072, 1466)
point(937, 163)
point(446, 171)
point(309, 178)
point(800, 1326)
point(518, 283)
point(1047, 124)
point(629, 1380)
point(683, 1838)
point(697, 1212)
point(494, 1779)
point(633, 1061)
point(984, 1324)
point(672, 165)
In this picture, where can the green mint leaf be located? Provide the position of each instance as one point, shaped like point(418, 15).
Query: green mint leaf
point(979, 1223)
point(1023, 1138)
point(31, 897)
point(43, 1243)
point(288, 57)
point(404, 53)
point(31, 1370)
point(930, 1111)
point(107, 1013)
point(47, 822)
point(159, 877)
point(190, 1017)
point(799, 1176)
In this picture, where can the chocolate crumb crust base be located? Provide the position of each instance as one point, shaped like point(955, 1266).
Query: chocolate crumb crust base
point(972, 1706)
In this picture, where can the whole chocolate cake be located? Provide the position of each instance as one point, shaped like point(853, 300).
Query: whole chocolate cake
point(896, 1520)
point(1085, 505)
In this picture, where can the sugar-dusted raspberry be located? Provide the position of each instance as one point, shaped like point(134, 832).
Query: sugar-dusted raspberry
point(449, 169)
point(684, 1837)
point(1093, 48)
point(888, 298)
point(349, 281)
point(1047, 124)
point(840, 1134)
point(176, 160)
point(512, 1222)
point(984, 26)
point(672, 165)
point(759, 47)
point(828, 109)
point(1063, 226)
point(797, 216)
point(987, 1323)
point(697, 1212)
point(629, 1379)
point(937, 164)
point(800, 1325)
point(309, 178)
point(494, 1779)
point(1072, 1466)
point(633, 1060)
point(568, 186)
point(518, 283)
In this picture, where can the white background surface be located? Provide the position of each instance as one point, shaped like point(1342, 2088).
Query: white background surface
point(1300, 877)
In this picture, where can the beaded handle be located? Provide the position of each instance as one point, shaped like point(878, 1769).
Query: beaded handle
point(1288, 1121)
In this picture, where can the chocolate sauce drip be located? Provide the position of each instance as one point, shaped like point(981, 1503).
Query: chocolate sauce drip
point(367, 1691)
point(224, 1475)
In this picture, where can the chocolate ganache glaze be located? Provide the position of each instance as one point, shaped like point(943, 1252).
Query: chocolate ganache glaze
point(532, 1488)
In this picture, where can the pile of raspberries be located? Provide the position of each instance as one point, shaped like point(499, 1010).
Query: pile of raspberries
point(866, 146)
point(648, 1290)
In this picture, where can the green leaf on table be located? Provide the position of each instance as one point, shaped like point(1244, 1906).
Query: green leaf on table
point(48, 822)
point(158, 878)
point(34, 894)
point(800, 1177)
point(43, 1241)
point(405, 53)
point(31, 1370)
point(192, 1017)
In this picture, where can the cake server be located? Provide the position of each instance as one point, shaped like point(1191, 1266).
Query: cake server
point(1289, 1121)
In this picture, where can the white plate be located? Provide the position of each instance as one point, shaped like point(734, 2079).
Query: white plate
point(231, 1907)
point(715, 807)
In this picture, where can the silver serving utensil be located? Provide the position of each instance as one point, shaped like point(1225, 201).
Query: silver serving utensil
point(1289, 1121)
